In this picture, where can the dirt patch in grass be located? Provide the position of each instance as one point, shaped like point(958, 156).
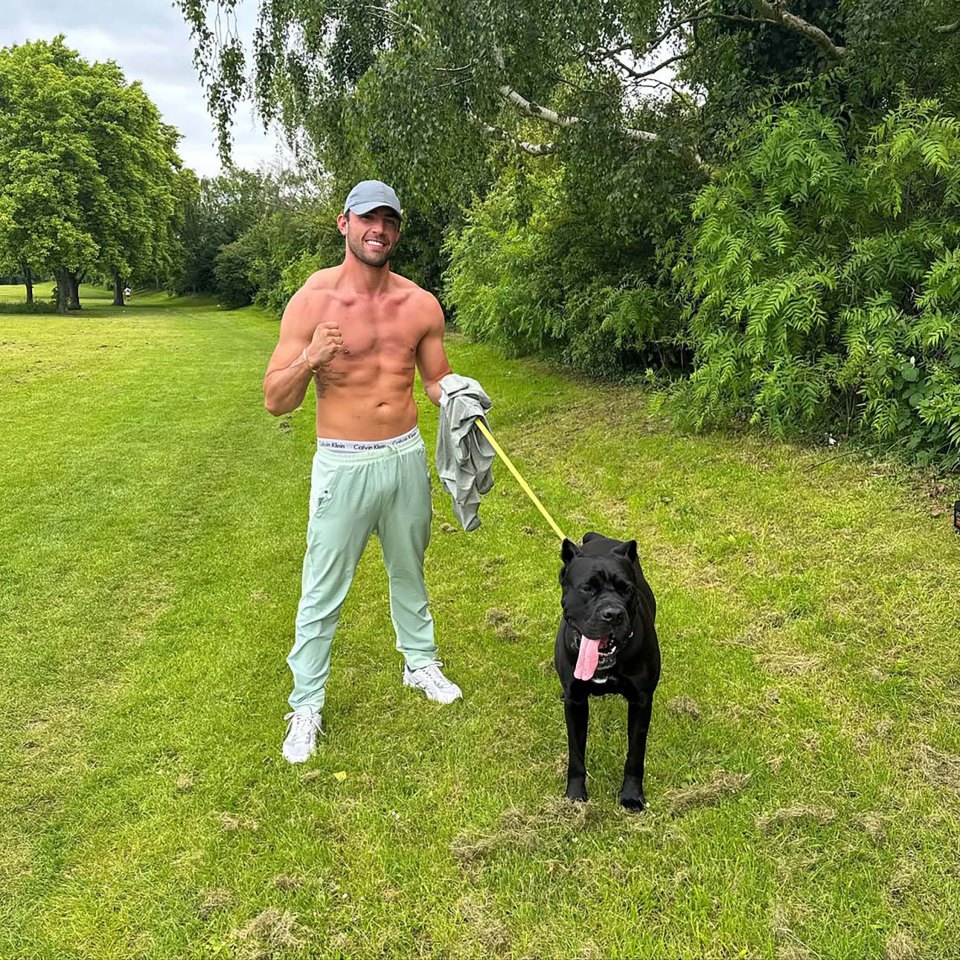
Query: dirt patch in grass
point(706, 794)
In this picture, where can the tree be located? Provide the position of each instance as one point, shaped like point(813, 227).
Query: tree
point(417, 89)
point(88, 170)
point(220, 210)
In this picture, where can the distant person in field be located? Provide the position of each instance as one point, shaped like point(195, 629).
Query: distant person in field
point(359, 332)
point(127, 293)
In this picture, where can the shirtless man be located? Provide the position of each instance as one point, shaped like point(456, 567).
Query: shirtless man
point(358, 332)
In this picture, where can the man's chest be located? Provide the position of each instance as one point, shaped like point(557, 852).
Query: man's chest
point(378, 334)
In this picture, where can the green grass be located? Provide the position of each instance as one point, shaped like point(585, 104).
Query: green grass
point(804, 760)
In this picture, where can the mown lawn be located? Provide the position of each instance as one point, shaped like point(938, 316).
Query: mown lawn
point(804, 761)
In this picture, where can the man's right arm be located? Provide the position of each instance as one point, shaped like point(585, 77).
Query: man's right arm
point(302, 351)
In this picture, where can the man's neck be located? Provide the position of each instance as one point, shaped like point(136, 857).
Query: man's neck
point(361, 278)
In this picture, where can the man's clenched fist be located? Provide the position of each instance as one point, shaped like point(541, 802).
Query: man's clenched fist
point(327, 342)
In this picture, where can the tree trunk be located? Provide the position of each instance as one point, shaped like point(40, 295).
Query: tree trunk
point(63, 290)
point(74, 282)
point(28, 282)
point(117, 290)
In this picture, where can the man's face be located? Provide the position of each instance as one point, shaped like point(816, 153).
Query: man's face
point(371, 236)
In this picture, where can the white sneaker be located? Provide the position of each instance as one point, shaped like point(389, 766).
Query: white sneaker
point(432, 682)
point(301, 739)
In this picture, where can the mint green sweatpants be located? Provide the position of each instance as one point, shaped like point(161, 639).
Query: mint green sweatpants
point(353, 494)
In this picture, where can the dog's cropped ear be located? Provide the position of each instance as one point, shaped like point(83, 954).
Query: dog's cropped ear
point(628, 550)
point(569, 551)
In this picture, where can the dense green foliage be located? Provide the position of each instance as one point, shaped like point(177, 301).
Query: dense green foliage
point(541, 267)
point(256, 236)
point(825, 286)
point(36, 306)
point(90, 183)
point(221, 209)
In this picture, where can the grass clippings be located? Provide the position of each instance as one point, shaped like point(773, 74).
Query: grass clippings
point(939, 767)
point(723, 784)
point(483, 928)
point(803, 812)
point(495, 616)
point(287, 882)
point(235, 823)
point(787, 664)
point(215, 899)
point(901, 946)
point(684, 706)
point(270, 934)
point(524, 830)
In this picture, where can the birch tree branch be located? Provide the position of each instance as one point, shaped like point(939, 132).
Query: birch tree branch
point(778, 13)
point(533, 149)
point(531, 109)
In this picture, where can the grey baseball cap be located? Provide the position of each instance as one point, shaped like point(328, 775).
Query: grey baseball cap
point(367, 195)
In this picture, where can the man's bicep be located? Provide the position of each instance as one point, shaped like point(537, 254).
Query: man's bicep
point(294, 334)
point(432, 359)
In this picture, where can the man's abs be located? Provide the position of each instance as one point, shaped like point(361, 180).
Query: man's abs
point(365, 408)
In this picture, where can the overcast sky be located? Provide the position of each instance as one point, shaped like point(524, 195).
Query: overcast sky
point(151, 43)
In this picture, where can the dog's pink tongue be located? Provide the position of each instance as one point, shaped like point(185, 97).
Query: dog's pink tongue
point(587, 659)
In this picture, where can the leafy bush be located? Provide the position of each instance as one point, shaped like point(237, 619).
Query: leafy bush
point(824, 281)
point(557, 263)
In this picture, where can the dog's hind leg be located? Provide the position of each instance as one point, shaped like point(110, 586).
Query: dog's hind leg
point(577, 714)
point(638, 724)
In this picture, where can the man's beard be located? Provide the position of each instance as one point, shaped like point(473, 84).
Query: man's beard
point(367, 256)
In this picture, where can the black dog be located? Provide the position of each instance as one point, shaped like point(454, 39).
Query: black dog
point(607, 643)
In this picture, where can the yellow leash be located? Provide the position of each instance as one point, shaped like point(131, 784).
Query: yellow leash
point(523, 483)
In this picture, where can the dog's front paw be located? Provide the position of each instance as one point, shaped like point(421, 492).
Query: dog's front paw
point(631, 794)
point(577, 790)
